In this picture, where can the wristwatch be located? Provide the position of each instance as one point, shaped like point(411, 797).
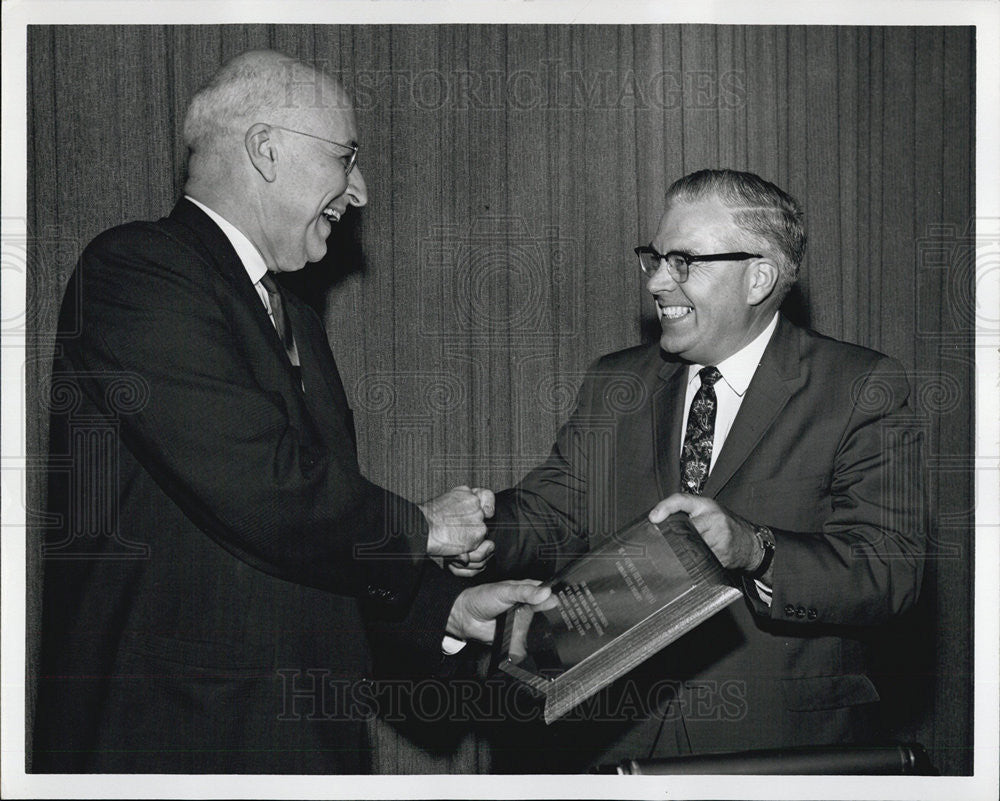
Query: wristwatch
point(765, 540)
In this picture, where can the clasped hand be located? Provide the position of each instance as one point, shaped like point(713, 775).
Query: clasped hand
point(457, 529)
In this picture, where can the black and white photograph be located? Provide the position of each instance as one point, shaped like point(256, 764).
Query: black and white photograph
point(340, 340)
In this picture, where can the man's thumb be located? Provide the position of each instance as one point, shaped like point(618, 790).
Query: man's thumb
point(527, 591)
point(487, 500)
point(678, 502)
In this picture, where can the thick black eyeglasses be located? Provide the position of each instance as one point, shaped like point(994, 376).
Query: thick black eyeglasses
point(353, 146)
point(679, 263)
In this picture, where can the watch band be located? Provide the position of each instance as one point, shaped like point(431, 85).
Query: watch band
point(766, 540)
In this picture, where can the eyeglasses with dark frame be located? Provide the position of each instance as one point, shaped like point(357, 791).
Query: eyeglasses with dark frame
point(679, 263)
point(353, 146)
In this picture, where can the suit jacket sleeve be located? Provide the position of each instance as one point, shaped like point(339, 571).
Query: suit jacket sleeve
point(223, 446)
point(543, 523)
point(864, 565)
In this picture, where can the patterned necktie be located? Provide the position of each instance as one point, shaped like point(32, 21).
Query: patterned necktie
point(281, 322)
point(696, 456)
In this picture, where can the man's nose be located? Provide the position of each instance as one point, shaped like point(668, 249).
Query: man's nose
point(662, 280)
point(357, 189)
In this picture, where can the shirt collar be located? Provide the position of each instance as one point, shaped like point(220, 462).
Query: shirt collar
point(252, 261)
point(737, 370)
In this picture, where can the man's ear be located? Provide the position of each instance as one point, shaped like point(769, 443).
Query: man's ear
point(763, 280)
point(262, 150)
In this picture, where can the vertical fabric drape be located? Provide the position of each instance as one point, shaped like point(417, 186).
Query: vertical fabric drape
point(511, 169)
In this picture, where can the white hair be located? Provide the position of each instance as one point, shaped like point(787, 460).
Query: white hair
point(256, 86)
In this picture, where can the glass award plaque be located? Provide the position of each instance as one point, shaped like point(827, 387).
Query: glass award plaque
point(631, 595)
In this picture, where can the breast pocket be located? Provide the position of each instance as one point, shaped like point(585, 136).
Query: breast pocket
point(796, 503)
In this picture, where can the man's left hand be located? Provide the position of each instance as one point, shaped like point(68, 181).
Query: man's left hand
point(730, 537)
point(474, 613)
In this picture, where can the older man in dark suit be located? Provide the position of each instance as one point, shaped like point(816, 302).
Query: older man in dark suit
point(223, 621)
point(795, 456)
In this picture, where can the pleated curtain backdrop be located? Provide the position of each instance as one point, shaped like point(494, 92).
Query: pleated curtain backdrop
point(511, 170)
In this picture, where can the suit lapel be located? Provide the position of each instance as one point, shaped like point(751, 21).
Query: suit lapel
point(324, 391)
point(774, 382)
point(667, 409)
point(219, 250)
point(249, 314)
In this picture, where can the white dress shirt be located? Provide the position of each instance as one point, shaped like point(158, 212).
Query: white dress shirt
point(737, 372)
point(251, 259)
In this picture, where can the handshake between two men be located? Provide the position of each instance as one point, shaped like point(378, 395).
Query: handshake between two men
point(457, 539)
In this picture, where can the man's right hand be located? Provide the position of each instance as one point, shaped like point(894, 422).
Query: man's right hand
point(456, 520)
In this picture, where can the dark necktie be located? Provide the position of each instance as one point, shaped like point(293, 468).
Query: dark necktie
point(281, 322)
point(696, 456)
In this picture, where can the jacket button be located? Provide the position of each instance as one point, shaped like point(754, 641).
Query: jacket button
point(812, 614)
point(789, 610)
point(800, 611)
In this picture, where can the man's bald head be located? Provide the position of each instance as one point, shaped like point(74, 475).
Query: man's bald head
point(256, 86)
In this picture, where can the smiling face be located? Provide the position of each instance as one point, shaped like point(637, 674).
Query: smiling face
point(718, 310)
point(310, 190)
